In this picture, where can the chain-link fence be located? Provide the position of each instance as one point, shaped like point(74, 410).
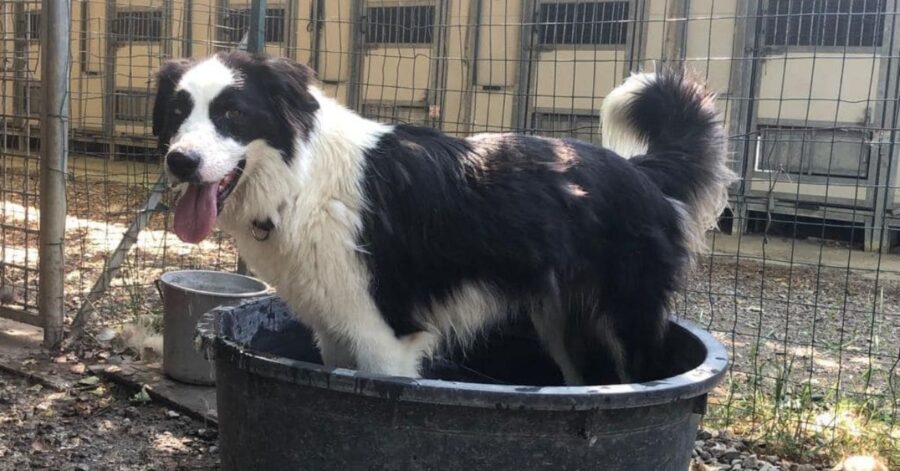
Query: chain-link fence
point(801, 282)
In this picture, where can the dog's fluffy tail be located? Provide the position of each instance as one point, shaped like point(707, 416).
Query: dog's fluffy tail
point(667, 124)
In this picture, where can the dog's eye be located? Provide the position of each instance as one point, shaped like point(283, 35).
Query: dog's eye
point(232, 114)
point(177, 112)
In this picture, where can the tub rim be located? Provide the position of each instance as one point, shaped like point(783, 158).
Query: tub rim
point(693, 383)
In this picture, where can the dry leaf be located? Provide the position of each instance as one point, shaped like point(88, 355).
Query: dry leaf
point(89, 381)
point(142, 396)
point(40, 446)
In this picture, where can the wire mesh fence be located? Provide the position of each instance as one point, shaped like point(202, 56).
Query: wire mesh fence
point(801, 282)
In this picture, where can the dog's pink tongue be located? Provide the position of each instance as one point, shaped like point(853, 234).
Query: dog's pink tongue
point(195, 215)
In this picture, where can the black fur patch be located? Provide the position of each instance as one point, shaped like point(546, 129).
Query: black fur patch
point(508, 212)
point(678, 119)
point(165, 118)
point(274, 101)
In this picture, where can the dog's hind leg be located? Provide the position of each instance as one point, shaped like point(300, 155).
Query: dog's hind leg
point(549, 322)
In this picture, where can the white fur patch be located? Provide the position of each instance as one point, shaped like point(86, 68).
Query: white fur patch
point(197, 134)
point(463, 315)
point(206, 80)
point(311, 257)
point(618, 133)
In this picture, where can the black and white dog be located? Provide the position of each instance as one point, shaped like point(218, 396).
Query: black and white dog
point(393, 242)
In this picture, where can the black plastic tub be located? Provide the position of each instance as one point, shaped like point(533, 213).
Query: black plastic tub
point(279, 408)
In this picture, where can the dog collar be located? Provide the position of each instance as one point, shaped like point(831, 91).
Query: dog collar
point(260, 230)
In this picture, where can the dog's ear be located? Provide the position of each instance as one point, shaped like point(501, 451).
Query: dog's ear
point(166, 80)
point(291, 82)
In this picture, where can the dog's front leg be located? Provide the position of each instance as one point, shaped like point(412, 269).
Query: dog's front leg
point(386, 355)
point(335, 354)
point(375, 348)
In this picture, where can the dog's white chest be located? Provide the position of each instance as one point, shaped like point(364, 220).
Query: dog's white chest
point(311, 259)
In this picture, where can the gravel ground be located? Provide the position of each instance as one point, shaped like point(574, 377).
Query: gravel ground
point(96, 427)
point(721, 451)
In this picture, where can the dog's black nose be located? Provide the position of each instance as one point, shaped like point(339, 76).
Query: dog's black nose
point(183, 165)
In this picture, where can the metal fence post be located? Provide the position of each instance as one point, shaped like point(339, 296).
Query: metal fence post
point(520, 121)
point(357, 40)
point(676, 33)
point(256, 41)
point(54, 150)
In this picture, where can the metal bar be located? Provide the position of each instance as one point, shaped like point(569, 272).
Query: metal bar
point(676, 29)
point(21, 315)
point(316, 23)
point(289, 45)
point(109, 78)
point(637, 37)
point(473, 31)
point(115, 261)
point(438, 70)
point(886, 178)
point(523, 80)
point(187, 33)
point(744, 115)
point(356, 54)
point(54, 153)
point(256, 41)
point(167, 44)
point(20, 66)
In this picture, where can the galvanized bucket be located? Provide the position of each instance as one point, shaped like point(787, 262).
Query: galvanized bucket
point(187, 295)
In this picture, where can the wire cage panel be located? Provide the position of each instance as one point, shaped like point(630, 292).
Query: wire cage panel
point(799, 283)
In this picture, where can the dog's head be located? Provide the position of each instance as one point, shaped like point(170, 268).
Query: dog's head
point(210, 114)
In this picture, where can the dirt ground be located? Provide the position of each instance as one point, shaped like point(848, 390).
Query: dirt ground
point(833, 326)
point(96, 427)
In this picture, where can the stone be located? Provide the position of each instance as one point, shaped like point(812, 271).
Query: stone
point(729, 454)
point(751, 462)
